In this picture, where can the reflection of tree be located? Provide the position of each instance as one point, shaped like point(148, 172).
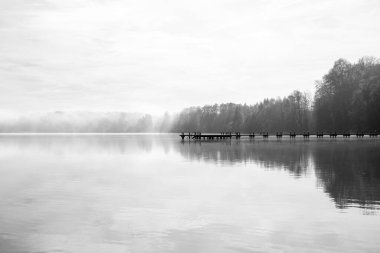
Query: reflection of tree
point(115, 143)
point(292, 156)
point(347, 170)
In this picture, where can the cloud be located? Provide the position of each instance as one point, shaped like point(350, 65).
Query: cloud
point(165, 55)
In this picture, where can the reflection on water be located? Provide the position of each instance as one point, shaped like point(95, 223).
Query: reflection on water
point(290, 155)
point(348, 170)
point(154, 193)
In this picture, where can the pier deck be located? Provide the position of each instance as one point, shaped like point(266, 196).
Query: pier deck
point(265, 135)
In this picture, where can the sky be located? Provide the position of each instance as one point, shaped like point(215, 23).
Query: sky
point(155, 56)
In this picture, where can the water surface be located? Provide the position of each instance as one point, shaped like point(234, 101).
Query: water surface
point(154, 193)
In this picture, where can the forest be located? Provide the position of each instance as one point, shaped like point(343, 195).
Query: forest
point(347, 98)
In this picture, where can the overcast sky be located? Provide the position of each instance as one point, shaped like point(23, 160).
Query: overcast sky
point(156, 56)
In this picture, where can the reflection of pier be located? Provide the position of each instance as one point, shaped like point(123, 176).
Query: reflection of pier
point(265, 135)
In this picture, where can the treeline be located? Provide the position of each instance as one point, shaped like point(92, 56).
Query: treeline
point(346, 99)
point(291, 113)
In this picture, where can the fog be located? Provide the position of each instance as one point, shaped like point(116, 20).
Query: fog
point(347, 98)
point(85, 122)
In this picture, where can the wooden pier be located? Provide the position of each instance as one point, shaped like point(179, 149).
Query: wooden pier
point(278, 135)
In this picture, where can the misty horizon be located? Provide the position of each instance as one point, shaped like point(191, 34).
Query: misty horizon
point(346, 98)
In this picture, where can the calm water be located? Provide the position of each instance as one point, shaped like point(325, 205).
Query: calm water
point(153, 193)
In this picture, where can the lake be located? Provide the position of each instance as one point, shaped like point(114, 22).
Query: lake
point(154, 193)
